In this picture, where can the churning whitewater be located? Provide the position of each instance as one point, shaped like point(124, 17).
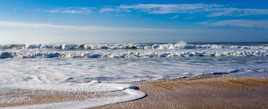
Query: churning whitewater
point(128, 50)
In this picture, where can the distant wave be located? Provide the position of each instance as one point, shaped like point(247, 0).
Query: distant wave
point(96, 46)
point(128, 50)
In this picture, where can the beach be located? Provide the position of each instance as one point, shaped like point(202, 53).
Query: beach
point(133, 54)
point(200, 92)
point(224, 92)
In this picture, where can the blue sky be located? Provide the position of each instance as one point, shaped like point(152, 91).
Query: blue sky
point(82, 21)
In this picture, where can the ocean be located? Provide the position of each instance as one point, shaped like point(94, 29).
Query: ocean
point(107, 67)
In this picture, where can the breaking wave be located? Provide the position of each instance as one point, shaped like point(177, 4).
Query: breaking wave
point(128, 50)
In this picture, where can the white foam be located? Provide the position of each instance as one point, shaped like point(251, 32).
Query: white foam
point(128, 50)
point(130, 94)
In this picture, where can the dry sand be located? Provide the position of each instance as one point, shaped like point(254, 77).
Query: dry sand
point(206, 92)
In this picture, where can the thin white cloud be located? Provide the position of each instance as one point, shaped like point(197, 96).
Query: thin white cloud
point(22, 32)
point(175, 17)
point(212, 10)
point(237, 12)
point(22, 25)
point(117, 10)
point(71, 11)
point(239, 23)
point(104, 10)
point(170, 8)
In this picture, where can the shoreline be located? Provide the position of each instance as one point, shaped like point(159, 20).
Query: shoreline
point(202, 92)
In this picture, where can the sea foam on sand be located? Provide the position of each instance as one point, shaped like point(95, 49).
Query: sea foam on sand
point(130, 93)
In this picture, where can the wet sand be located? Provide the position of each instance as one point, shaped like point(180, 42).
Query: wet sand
point(201, 92)
point(223, 92)
point(20, 97)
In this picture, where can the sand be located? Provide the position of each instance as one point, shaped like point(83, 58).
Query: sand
point(206, 92)
point(19, 97)
point(224, 92)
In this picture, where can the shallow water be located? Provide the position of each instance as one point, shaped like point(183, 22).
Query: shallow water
point(51, 71)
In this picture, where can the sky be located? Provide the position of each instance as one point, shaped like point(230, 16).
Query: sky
point(93, 21)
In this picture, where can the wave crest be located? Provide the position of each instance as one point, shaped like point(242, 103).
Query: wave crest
point(180, 49)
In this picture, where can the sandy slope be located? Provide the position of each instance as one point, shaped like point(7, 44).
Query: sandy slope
point(206, 93)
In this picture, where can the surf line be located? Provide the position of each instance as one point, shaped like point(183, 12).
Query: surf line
point(132, 93)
